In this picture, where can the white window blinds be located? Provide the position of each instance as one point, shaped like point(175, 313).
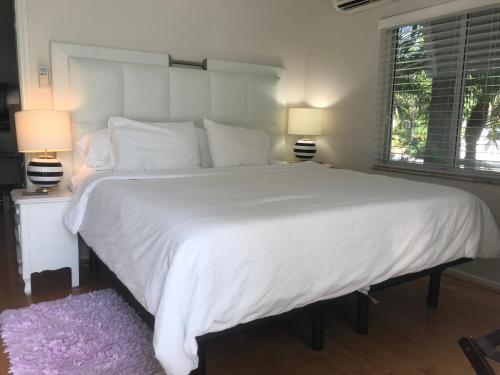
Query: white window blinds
point(441, 95)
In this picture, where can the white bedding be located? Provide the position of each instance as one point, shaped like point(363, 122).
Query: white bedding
point(204, 250)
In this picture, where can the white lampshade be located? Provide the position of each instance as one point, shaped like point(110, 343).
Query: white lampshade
point(43, 130)
point(305, 121)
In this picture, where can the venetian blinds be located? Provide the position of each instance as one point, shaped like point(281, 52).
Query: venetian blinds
point(440, 94)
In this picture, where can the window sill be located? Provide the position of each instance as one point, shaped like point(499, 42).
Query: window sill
point(478, 177)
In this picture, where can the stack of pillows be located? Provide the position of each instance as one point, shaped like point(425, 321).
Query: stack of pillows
point(128, 145)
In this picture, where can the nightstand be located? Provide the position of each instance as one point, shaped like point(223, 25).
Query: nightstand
point(43, 243)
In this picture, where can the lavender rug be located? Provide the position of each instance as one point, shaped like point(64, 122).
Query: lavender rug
point(93, 333)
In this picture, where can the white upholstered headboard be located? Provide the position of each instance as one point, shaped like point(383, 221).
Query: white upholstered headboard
point(95, 82)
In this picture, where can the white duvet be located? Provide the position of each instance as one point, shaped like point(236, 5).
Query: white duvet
point(204, 250)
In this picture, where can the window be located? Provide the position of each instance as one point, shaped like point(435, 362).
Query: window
point(441, 95)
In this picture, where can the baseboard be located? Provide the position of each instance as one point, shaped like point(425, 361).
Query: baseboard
point(473, 279)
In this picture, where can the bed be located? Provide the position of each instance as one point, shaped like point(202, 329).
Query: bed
point(207, 249)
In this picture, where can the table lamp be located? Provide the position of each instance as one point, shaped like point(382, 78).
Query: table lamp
point(305, 122)
point(43, 131)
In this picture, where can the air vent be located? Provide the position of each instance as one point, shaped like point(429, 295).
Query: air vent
point(353, 6)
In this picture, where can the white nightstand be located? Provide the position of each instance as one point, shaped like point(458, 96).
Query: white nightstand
point(42, 241)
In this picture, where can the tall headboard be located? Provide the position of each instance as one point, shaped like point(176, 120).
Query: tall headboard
point(95, 82)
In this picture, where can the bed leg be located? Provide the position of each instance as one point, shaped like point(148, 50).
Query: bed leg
point(433, 290)
point(362, 313)
point(318, 329)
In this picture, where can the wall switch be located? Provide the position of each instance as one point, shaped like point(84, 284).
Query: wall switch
point(43, 75)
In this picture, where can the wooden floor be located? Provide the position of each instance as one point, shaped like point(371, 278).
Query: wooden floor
point(405, 336)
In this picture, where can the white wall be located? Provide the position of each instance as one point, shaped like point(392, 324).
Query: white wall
point(342, 74)
point(257, 31)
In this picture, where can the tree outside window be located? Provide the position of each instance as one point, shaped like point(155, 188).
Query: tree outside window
point(445, 93)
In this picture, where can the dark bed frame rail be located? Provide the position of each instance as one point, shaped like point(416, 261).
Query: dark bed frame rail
point(434, 273)
point(316, 310)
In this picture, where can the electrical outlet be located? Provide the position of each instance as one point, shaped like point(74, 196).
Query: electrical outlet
point(43, 75)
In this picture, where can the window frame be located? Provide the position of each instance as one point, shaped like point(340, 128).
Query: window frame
point(390, 42)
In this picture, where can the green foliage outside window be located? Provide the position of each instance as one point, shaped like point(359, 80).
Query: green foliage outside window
point(412, 99)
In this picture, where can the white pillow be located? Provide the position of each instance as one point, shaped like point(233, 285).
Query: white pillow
point(234, 146)
point(201, 135)
point(95, 150)
point(141, 146)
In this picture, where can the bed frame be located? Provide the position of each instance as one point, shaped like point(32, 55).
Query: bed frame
point(316, 310)
point(434, 273)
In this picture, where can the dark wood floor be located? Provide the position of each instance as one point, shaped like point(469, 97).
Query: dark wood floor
point(405, 336)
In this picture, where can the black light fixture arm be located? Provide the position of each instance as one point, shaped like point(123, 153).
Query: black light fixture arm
point(185, 63)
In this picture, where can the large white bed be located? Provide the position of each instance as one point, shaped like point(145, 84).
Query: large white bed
point(207, 249)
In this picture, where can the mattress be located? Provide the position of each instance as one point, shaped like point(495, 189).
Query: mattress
point(207, 249)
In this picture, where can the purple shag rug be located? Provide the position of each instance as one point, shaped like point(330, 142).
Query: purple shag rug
point(94, 333)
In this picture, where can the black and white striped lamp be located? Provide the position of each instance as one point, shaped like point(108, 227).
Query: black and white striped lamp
point(308, 122)
point(45, 131)
point(304, 149)
point(44, 172)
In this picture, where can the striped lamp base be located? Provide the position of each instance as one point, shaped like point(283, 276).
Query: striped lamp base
point(304, 149)
point(45, 173)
